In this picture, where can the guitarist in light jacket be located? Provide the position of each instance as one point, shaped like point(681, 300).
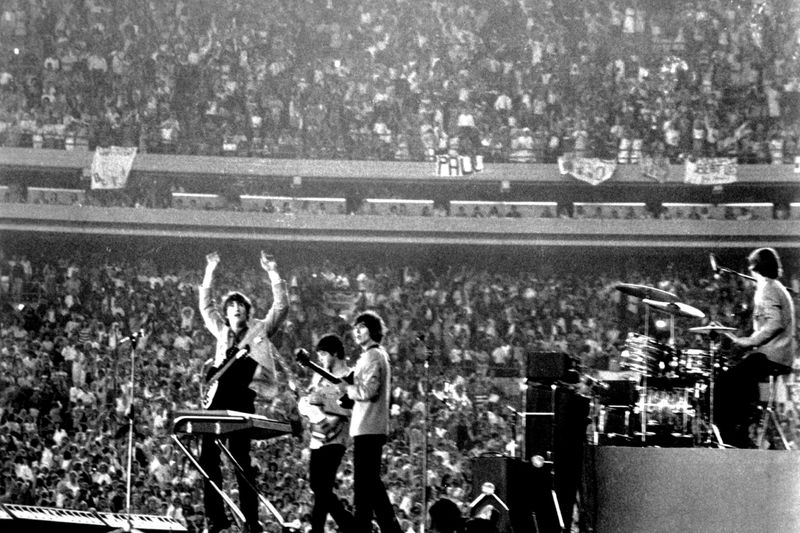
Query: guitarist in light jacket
point(329, 435)
point(370, 389)
point(771, 349)
point(251, 375)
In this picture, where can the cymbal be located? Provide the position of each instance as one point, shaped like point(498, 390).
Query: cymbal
point(711, 328)
point(643, 291)
point(676, 308)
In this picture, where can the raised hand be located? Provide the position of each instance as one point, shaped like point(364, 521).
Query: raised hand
point(268, 262)
point(212, 260)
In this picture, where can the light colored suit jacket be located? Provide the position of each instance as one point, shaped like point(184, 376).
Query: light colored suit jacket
point(372, 378)
point(774, 323)
point(258, 333)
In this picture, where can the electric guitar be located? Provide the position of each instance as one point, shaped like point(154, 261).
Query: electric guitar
point(233, 354)
point(304, 359)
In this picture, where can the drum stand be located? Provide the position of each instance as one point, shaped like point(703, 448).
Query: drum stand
point(714, 438)
point(771, 416)
point(643, 394)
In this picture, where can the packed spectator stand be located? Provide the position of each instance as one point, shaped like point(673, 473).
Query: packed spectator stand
point(339, 79)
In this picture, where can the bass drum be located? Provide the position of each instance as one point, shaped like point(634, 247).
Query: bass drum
point(614, 403)
point(671, 415)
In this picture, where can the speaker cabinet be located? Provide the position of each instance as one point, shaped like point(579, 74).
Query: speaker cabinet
point(547, 366)
point(555, 428)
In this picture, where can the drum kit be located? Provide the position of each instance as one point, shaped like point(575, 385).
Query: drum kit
point(661, 395)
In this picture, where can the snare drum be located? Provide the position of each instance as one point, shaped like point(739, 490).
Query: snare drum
point(695, 363)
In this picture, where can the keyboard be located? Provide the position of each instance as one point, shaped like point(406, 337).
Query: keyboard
point(226, 423)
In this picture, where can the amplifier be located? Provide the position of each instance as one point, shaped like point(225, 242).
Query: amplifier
point(549, 366)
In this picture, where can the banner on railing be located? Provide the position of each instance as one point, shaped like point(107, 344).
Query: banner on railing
point(111, 167)
point(711, 171)
point(588, 169)
point(458, 165)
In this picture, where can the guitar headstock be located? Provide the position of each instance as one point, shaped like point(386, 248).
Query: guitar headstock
point(302, 356)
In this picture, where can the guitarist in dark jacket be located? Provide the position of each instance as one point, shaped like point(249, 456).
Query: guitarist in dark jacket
point(251, 375)
point(329, 423)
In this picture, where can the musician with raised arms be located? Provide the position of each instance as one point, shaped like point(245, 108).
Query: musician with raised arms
point(244, 369)
point(329, 422)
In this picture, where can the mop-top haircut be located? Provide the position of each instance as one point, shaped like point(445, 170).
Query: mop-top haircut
point(374, 324)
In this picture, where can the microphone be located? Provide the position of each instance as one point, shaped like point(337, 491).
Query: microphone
point(133, 337)
point(719, 269)
point(714, 266)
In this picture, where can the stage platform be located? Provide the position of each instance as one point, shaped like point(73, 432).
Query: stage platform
point(698, 490)
point(624, 490)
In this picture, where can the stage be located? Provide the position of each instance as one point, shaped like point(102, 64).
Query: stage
point(672, 490)
point(624, 490)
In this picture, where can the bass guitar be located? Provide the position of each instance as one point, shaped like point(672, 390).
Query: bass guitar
point(233, 354)
point(304, 359)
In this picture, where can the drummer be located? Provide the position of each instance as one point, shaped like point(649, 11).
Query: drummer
point(769, 350)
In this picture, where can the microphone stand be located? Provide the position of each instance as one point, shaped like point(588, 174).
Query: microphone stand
point(514, 435)
point(425, 386)
point(717, 269)
point(134, 338)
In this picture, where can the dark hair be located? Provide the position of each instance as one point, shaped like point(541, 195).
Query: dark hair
point(446, 517)
point(766, 262)
point(373, 322)
point(332, 344)
point(235, 296)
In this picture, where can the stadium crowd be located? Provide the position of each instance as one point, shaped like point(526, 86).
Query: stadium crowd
point(390, 79)
point(65, 329)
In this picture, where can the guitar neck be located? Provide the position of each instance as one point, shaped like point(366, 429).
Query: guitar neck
point(322, 372)
point(240, 352)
